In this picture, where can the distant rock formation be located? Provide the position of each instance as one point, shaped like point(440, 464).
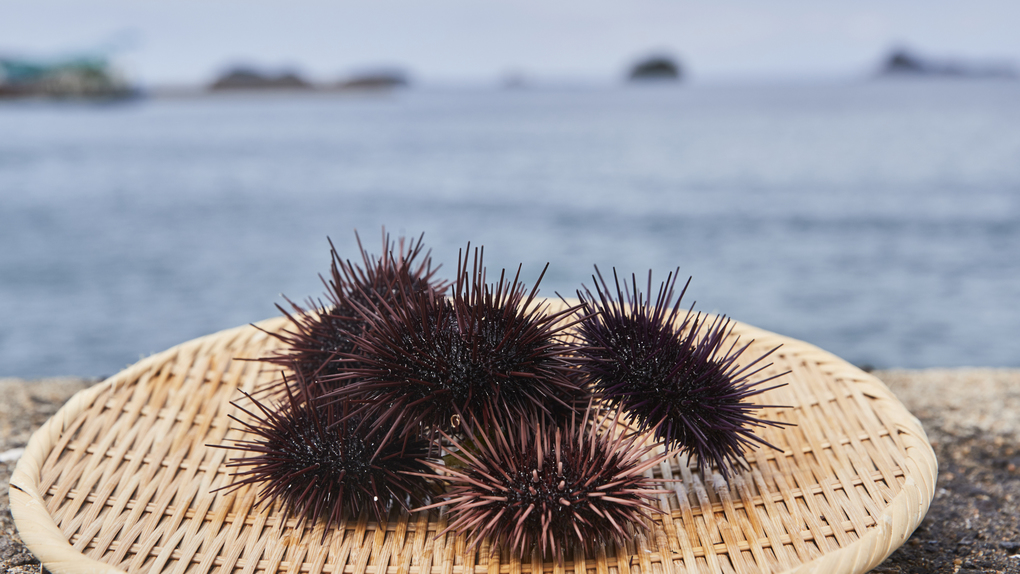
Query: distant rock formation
point(378, 80)
point(655, 68)
point(902, 62)
point(249, 79)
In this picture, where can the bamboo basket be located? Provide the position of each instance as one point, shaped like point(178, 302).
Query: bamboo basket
point(122, 479)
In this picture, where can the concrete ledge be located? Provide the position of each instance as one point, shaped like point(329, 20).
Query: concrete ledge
point(972, 417)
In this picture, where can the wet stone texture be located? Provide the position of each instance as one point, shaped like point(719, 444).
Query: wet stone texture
point(972, 417)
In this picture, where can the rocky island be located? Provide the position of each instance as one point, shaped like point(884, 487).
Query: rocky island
point(655, 68)
point(902, 62)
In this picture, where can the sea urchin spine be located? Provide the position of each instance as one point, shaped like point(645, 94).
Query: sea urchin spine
point(671, 373)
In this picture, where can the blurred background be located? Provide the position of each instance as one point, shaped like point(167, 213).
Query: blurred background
point(843, 173)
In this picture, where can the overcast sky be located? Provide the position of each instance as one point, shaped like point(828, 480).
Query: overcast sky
point(190, 41)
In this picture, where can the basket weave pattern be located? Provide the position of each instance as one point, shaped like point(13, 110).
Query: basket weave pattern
point(122, 479)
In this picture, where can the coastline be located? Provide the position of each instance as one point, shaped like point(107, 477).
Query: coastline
point(971, 416)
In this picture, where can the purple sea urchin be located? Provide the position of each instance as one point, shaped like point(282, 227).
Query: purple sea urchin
point(529, 485)
point(323, 334)
point(682, 380)
point(488, 353)
point(323, 465)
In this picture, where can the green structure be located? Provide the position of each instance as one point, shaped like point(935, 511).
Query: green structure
point(80, 77)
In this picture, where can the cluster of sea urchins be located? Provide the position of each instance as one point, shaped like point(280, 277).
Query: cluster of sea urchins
point(394, 372)
point(487, 355)
point(316, 455)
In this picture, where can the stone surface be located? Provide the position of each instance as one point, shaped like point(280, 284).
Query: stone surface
point(972, 417)
point(24, 407)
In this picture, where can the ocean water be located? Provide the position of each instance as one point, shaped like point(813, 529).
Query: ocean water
point(878, 220)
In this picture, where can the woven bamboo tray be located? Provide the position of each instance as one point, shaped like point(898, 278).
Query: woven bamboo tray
point(121, 479)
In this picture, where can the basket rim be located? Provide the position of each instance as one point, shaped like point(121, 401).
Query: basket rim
point(899, 518)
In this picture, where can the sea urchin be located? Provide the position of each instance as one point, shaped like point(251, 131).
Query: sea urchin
point(323, 465)
point(673, 373)
point(550, 487)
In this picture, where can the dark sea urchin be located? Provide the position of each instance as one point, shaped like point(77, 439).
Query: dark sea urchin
point(671, 373)
point(323, 471)
point(488, 353)
point(322, 335)
point(530, 485)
